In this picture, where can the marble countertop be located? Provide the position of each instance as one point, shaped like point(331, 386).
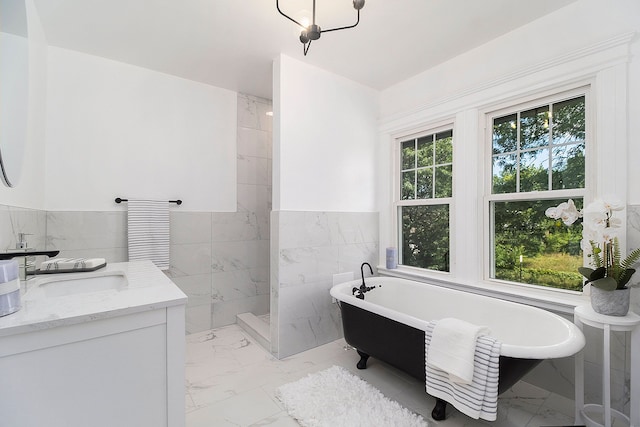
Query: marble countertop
point(146, 288)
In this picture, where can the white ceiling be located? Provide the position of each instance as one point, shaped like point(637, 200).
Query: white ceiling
point(232, 43)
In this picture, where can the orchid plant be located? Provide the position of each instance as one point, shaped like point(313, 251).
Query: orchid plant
point(600, 240)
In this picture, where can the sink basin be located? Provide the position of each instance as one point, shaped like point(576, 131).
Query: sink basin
point(58, 287)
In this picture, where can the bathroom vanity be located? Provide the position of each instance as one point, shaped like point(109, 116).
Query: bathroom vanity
point(95, 349)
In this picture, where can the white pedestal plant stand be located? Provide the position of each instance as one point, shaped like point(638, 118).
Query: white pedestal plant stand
point(584, 315)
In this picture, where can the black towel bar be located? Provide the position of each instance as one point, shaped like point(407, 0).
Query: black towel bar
point(177, 202)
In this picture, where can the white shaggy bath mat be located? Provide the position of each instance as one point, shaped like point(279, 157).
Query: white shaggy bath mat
point(335, 397)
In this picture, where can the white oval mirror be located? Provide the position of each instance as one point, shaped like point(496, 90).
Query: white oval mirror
point(14, 88)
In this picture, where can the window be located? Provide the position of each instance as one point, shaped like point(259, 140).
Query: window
point(423, 205)
point(537, 161)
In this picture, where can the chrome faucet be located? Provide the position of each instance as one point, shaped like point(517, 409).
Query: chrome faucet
point(22, 242)
point(22, 251)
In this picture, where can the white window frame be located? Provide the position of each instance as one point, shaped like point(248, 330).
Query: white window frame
point(489, 197)
point(603, 66)
point(397, 184)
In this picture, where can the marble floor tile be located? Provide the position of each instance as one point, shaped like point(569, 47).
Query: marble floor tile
point(560, 404)
point(244, 409)
point(281, 419)
point(231, 381)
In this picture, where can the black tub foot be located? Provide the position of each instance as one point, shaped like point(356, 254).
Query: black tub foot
point(362, 364)
point(439, 410)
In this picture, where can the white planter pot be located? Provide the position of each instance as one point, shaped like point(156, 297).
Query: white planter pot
point(611, 303)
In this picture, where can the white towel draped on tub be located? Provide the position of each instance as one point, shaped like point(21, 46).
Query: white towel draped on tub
point(148, 231)
point(452, 348)
point(479, 399)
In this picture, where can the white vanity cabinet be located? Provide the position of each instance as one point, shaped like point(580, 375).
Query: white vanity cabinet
point(102, 366)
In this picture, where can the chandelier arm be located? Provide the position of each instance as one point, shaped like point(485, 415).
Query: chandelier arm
point(288, 17)
point(341, 28)
point(305, 48)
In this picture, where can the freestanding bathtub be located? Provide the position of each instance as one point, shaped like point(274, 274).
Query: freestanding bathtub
point(389, 325)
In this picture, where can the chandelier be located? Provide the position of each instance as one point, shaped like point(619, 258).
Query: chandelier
point(312, 31)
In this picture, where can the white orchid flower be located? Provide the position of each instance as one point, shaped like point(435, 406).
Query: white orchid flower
point(569, 217)
point(609, 234)
point(591, 233)
point(556, 212)
point(596, 206)
point(615, 222)
point(570, 213)
point(599, 213)
point(552, 213)
point(600, 239)
point(612, 203)
point(566, 211)
point(595, 218)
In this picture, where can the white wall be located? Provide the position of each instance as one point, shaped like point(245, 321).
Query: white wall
point(116, 130)
point(29, 192)
point(560, 34)
point(14, 105)
point(324, 138)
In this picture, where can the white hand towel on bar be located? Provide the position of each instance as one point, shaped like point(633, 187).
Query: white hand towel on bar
point(148, 231)
point(453, 347)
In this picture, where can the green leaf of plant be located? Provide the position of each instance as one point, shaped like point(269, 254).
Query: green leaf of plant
point(598, 273)
point(605, 283)
point(586, 271)
point(625, 277)
point(631, 259)
point(595, 253)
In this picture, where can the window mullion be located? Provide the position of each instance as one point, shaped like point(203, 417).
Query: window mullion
point(433, 166)
point(518, 149)
point(555, 194)
point(550, 159)
point(415, 168)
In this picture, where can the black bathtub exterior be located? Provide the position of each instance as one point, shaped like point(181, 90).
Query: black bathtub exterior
point(402, 346)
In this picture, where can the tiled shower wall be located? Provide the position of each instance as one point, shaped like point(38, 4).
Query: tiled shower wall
point(307, 249)
point(219, 259)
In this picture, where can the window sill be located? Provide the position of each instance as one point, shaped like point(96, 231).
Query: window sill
point(548, 299)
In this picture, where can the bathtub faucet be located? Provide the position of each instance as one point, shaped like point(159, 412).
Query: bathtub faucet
point(359, 292)
point(363, 287)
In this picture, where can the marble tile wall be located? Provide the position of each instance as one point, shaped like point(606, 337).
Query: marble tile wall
point(310, 247)
point(217, 258)
point(88, 234)
point(14, 220)
point(241, 239)
point(190, 264)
